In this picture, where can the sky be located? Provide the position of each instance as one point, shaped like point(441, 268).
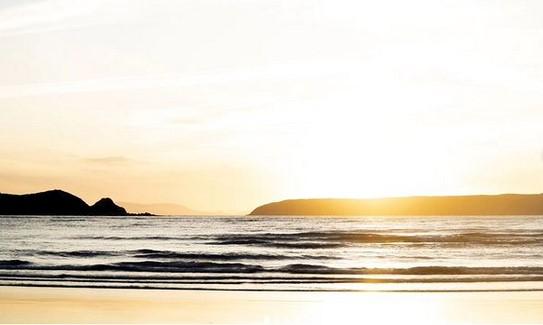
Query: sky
point(226, 105)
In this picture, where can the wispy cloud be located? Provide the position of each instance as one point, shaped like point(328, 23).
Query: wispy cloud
point(108, 160)
point(47, 15)
point(277, 72)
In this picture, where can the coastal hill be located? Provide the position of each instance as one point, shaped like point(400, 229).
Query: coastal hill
point(56, 202)
point(507, 204)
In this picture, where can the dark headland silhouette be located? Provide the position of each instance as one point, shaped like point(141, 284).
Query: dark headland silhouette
point(473, 205)
point(56, 202)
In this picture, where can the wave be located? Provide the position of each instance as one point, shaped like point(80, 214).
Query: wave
point(267, 278)
point(286, 283)
point(127, 238)
point(160, 277)
point(336, 239)
point(14, 264)
point(213, 267)
point(276, 244)
point(167, 254)
point(159, 254)
point(419, 270)
point(78, 253)
point(144, 266)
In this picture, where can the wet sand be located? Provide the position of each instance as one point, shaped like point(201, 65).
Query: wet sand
point(75, 305)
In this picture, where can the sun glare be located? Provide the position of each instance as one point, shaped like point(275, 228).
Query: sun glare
point(354, 156)
point(375, 308)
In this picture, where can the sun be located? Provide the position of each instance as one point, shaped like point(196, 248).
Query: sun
point(353, 158)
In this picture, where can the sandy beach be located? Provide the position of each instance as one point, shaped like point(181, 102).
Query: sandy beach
point(74, 305)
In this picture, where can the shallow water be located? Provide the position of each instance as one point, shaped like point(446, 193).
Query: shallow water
point(274, 253)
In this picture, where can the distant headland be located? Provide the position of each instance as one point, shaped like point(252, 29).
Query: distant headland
point(57, 202)
point(471, 205)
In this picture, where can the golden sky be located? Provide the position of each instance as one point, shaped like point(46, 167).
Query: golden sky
point(225, 105)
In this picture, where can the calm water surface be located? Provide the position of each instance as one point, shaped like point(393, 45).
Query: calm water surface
point(274, 253)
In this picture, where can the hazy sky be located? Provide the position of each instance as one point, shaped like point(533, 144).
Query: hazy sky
point(224, 105)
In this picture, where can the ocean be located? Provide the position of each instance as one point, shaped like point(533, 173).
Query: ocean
point(274, 253)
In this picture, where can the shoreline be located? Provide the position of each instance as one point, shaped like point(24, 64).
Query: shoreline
point(86, 305)
point(271, 290)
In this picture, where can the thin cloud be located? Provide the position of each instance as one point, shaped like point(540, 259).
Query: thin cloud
point(278, 72)
point(108, 160)
point(44, 16)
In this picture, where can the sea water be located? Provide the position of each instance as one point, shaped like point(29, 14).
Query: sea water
point(274, 253)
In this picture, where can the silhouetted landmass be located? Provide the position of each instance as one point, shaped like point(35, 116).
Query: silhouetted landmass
point(56, 202)
point(106, 207)
point(507, 204)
